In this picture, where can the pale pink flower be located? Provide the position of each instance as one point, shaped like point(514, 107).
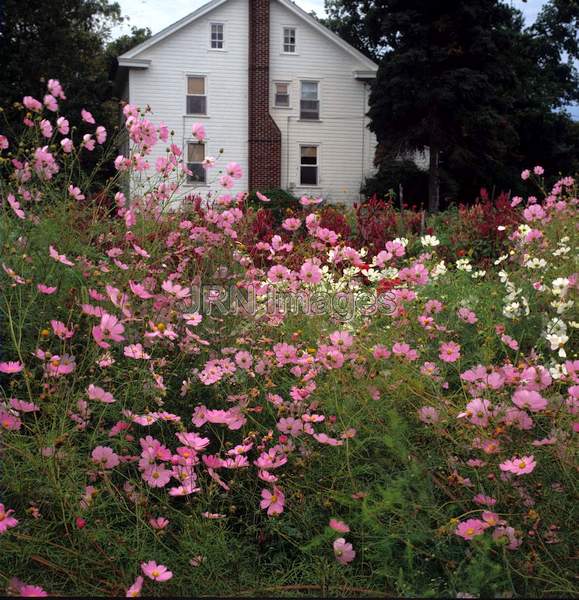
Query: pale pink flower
point(525, 174)
point(508, 534)
point(63, 125)
point(530, 400)
point(538, 170)
point(75, 192)
point(15, 206)
point(341, 339)
point(272, 501)
point(159, 522)
point(486, 500)
point(61, 258)
point(97, 393)
point(198, 131)
point(50, 102)
point(135, 351)
point(156, 572)
point(310, 273)
point(46, 128)
point(135, 590)
point(467, 315)
point(262, 197)
point(449, 352)
point(110, 328)
point(23, 405)
point(105, 457)
point(87, 117)
point(234, 170)
point(471, 528)
point(428, 414)
point(157, 476)
point(343, 551)
point(66, 145)
point(176, 290)
point(291, 224)
point(7, 521)
point(60, 330)
point(32, 104)
point(101, 134)
point(519, 466)
point(55, 88)
point(45, 289)
point(339, 526)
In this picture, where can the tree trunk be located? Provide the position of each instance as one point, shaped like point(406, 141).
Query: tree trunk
point(434, 179)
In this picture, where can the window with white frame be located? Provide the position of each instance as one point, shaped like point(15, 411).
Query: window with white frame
point(195, 158)
point(282, 94)
point(289, 40)
point(309, 165)
point(196, 95)
point(310, 101)
point(217, 36)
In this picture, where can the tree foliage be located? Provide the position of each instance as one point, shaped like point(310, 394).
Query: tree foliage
point(470, 81)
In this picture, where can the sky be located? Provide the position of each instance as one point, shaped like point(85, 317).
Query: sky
point(158, 14)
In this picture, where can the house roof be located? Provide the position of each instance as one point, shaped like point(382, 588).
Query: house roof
point(128, 58)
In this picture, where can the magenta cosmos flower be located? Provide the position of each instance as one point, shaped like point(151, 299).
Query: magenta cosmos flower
point(530, 400)
point(343, 551)
point(135, 590)
point(519, 466)
point(156, 572)
point(105, 457)
point(471, 528)
point(7, 521)
point(339, 526)
point(272, 501)
point(11, 367)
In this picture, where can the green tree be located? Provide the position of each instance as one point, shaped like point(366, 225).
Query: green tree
point(64, 40)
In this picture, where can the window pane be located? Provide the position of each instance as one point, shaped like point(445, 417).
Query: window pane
point(198, 171)
point(195, 152)
point(309, 109)
point(309, 175)
point(196, 85)
point(281, 88)
point(282, 100)
point(309, 90)
point(196, 105)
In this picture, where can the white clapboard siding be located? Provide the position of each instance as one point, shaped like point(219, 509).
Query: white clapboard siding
point(162, 86)
point(346, 146)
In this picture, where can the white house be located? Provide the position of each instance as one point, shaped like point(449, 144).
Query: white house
point(276, 91)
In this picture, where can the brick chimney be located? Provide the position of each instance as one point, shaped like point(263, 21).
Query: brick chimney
point(264, 134)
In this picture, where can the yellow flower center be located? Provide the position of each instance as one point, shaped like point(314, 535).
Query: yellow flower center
point(161, 327)
point(274, 499)
point(156, 475)
point(522, 464)
point(155, 573)
point(2, 516)
point(470, 531)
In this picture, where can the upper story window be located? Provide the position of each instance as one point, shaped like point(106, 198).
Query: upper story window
point(217, 36)
point(195, 158)
point(289, 40)
point(196, 95)
point(310, 101)
point(282, 94)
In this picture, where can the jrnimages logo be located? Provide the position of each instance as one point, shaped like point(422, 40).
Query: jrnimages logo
point(217, 299)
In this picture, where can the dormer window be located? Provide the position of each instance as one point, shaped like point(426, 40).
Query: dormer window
point(289, 40)
point(217, 36)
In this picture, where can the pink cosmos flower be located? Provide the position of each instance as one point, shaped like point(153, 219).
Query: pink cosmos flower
point(61, 258)
point(7, 521)
point(101, 134)
point(159, 523)
point(50, 102)
point(11, 367)
point(157, 476)
point(61, 330)
point(55, 88)
point(23, 406)
point(76, 193)
point(530, 400)
point(478, 412)
point(135, 590)
point(45, 289)
point(519, 466)
point(508, 534)
point(341, 339)
point(343, 551)
point(198, 131)
point(87, 117)
point(471, 528)
point(339, 526)
point(46, 128)
point(525, 174)
point(428, 414)
point(156, 572)
point(468, 316)
point(135, 351)
point(110, 328)
point(449, 352)
point(272, 501)
point(291, 224)
point(63, 125)
point(66, 145)
point(486, 500)
point(97, 393)
point(32, 591)
point(262, 197)
point(15, 206)
point(234, 170)
point(32, 104)
point(310, 273)
point(176, 290)
point(3, 142)
point(105, 457)
point(538, 170)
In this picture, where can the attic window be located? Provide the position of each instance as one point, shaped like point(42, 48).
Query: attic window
point(289, 40)
point(196, 96)
point(217, 36)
